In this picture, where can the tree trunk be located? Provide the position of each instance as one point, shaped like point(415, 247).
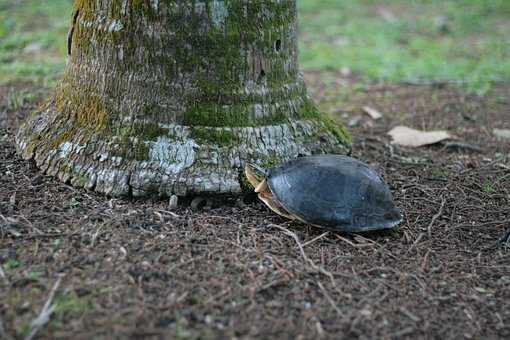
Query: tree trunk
point(172, 97)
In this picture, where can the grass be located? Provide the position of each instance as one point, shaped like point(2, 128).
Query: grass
point(418, 41)
point(16, 99)
point(11, 264)
point(390, 40)
point(32, 40)
point(70, 303)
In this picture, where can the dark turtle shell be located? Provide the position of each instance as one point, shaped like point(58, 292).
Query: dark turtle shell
point(334, 192)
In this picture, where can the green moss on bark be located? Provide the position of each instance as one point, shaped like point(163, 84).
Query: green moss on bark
point(159, 87)
point(219, 137)
point(310, 111)
point(148, 131)
point(221, 43)
point(128, 148)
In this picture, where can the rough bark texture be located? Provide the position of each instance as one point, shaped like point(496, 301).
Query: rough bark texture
point(172, 97)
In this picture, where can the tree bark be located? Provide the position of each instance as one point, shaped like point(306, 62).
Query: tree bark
point(172, 97)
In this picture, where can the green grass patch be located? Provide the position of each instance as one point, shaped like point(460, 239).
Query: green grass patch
point(12, 264)
point(392, 40)
point(400, 40)
point(72, 305)
point(33, 40)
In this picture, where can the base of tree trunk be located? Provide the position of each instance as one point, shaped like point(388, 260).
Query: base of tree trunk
point(172, 159)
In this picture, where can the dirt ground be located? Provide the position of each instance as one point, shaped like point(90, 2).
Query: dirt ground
point(133, 269)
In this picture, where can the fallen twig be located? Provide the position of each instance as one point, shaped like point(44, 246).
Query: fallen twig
point(415, 243)
point(43, 236)
point(168, 213)
point(436, 216)
point(485, 224)
point(316, 239)
point(277, 263)
point(44, 317)
point(295, 237)
point(3, 276)
point(346, 241)
point(31, 224)
point(329, 298)
point(425, 261)
point(302, 251)
point(6, 225)
point(502, 166)
point(356, 245)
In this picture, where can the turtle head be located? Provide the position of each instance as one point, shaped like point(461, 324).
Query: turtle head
point(255, 174)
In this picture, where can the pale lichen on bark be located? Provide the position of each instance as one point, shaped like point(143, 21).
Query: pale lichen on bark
point(172, 97)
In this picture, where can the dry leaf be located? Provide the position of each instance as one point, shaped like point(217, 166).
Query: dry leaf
point(403, 135)
point(502, 133)
point(373, 113)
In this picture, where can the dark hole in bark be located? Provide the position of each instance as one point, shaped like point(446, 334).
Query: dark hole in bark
point(262, 74)
point(71, 32)
point(278, 45)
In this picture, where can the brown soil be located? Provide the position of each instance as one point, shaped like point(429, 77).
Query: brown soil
point(132, 269)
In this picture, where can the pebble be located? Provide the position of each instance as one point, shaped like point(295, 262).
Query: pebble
point(173, 202)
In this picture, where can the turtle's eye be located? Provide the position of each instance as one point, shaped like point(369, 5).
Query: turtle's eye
point(254, 174)
point(255, 170)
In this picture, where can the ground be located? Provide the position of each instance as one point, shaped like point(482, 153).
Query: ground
point(136, 268)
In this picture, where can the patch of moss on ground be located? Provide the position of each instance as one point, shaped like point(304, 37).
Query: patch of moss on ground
point(71, 305)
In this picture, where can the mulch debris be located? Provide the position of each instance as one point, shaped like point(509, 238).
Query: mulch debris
point(236, 270)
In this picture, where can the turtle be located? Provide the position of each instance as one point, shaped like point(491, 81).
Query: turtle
point(334, 192)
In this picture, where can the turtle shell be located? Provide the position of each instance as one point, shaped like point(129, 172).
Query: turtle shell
point(334, 192)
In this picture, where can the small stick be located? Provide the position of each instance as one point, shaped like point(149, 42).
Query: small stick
point(42, 236)
point(168, 213)
point(346, 241)
point(424, 262)
point(44, 317)
point(485, 224)
point(303, 254)
point(436, 216)
point(2, 275)
point(415, 243)
point(7, 227)
point(316, 239)
point(280, 267)
point(357, 245)
point(329, 298)
point(367, 240)
point(95, 236)
point(31, 224)
point(295, 237)
point(503, 166)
